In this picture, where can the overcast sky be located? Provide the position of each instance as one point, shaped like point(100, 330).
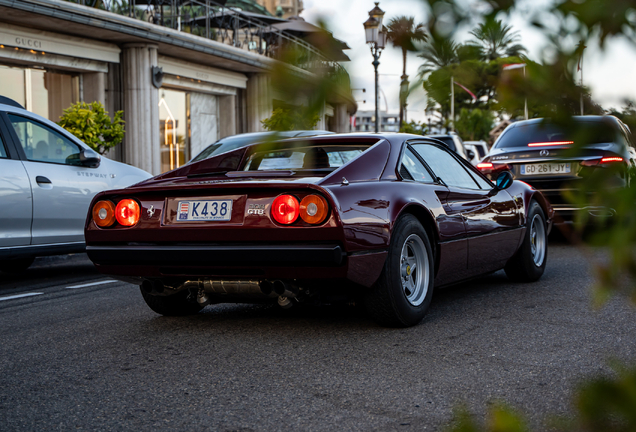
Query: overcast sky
point(609, 74)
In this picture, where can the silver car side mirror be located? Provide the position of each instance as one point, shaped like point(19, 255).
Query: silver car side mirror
point(89, 158)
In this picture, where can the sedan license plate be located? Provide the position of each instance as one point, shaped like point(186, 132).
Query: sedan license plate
point(209, 210)
point(545, 168)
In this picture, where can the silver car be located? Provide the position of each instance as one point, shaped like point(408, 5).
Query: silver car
point(47, 180)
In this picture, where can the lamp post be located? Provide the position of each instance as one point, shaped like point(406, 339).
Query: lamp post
point(376, 36)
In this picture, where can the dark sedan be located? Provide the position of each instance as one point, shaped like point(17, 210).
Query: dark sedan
point(381, 218)
point(547, 157)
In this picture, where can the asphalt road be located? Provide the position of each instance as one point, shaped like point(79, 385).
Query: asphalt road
point(96, 358)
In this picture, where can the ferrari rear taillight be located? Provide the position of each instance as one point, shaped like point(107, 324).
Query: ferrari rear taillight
point(313, 209)
point(285, 209)
point(104, 213)
point(127, 212)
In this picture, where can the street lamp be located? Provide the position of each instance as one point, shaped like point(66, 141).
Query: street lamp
point(376, 36)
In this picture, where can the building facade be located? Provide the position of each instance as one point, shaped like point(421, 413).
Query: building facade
point(181, 89)
point(364, 121)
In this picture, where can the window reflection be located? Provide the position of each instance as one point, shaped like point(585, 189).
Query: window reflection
point(174, 129)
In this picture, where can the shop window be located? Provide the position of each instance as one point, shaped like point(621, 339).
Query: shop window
point(174, 122)
point(45, 93)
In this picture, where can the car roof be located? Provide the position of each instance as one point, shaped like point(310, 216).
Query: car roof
point(10, 102)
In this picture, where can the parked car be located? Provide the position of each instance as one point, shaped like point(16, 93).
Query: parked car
point(455, 143)
point(385, 218)
point(241, 140)
point(47, 180)
point(479, 149)
point(540, 154)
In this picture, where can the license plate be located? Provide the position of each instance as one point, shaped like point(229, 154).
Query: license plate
point(209, 210)
point(545, 168)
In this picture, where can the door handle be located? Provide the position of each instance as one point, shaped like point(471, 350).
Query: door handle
point(44, 182)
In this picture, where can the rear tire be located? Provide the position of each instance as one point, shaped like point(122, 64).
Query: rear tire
point(404, 290)
point(16, 265)
point(529, 262)
point(172, 305)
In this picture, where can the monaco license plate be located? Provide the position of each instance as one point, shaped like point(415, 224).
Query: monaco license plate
point(545, 168)
point(209, 210)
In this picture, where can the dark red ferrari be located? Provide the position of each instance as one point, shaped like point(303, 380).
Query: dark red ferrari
point(381, 219)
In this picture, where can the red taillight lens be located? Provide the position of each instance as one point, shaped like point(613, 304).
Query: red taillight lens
point(104, 214)
point(285, 209)
point(127, 212)
point(602, 161)
point(611, 159)
point(485, 166)
point(313, 209)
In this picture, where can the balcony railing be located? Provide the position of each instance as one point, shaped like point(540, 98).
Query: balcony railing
point(212, 20)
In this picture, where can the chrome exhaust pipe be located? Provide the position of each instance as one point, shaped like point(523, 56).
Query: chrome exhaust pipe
point(284, 289)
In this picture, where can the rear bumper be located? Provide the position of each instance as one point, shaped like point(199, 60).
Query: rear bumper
point(215, 255)
point(238, 262)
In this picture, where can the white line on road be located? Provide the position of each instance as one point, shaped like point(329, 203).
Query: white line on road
point(19, 296)
point(91, 284)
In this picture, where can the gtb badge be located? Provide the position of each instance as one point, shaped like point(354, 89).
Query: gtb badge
point(256, 209)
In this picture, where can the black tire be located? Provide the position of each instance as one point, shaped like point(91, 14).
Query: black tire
point(389, 302)
point(16, 265)
point(529, 263)
point(172, 305)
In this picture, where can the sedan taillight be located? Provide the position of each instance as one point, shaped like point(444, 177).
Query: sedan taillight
point(492, 168)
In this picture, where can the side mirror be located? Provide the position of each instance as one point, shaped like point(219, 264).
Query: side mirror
point(504, 180)
point(470, 154)
point(89, 158)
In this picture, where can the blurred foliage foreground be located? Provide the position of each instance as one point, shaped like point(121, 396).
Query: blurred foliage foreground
point(605, 403)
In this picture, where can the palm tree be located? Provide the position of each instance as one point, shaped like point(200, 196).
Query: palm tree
point(404, 33)
point(497, 40)
point(437, 52)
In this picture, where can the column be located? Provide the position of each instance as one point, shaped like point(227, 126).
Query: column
point(141, 107)
point(341, 117)
point(259, 102)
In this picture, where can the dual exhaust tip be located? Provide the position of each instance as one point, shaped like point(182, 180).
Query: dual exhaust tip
point(278, 287)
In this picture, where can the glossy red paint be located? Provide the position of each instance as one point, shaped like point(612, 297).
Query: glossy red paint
point(472, 232)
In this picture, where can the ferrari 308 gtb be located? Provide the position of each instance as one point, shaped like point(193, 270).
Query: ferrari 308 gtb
point(381, 219)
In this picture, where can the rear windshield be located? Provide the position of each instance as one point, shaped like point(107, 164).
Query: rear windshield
point(537, 133)
point(327, 158)
point(232, 143)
